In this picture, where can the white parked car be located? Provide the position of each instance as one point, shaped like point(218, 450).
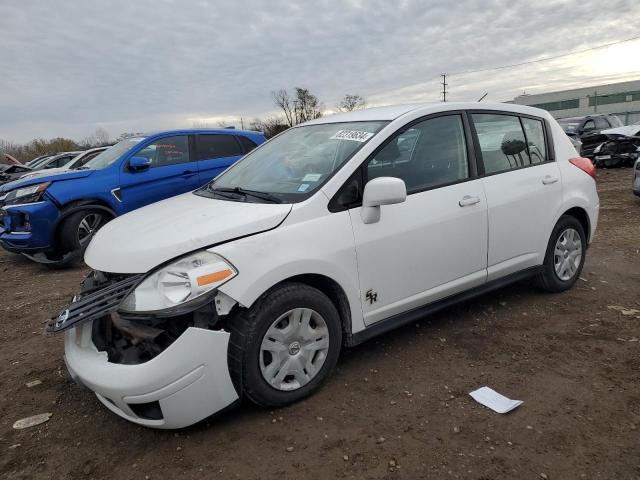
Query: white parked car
point(75, 163)
point(331, 233)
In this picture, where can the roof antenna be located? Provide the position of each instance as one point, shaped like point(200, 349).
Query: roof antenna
point(482, 97)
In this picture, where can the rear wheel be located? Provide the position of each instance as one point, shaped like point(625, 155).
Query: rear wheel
point(565, 256)
point(285, 345)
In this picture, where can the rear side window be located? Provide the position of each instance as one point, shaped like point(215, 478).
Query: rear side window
point(427, 155)
point(601, 123)
point(534, 132)
point(502, 142)
point(247, 144)
point(216, 146)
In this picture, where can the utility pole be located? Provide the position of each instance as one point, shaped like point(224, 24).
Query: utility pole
point(595, 101)
point(444, 87)
point(241, 123)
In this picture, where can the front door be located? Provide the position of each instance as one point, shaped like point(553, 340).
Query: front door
point(435, 243)
point(172, 172)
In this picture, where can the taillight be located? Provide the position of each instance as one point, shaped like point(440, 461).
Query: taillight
point(585, 165)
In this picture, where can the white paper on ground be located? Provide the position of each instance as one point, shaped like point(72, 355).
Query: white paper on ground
point(492, 399)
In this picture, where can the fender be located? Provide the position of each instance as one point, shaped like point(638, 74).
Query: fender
point(81, 205)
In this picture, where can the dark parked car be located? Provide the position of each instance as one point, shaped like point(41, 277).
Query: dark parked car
point(587, 129)
point(636, 178)
point(620, 147)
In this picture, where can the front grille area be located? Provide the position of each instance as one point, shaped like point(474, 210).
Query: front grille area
point(101, 295)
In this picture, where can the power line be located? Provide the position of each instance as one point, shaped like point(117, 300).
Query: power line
point(575, 52)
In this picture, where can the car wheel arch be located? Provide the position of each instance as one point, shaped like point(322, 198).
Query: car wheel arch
point(582, 216)
point(332, 289)
point(73, 207)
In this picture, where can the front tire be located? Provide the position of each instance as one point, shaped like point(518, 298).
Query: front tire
point(564, 257)
point(284, 346)
point(76, 232)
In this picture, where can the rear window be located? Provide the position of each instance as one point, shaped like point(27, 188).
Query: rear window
point(217, 146)
point(247, 144)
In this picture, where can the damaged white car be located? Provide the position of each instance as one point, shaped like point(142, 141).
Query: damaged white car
point(333, 232)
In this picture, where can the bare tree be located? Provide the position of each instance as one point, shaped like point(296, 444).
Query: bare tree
point(284, 101)
point(351, 102)
point(271, 126)
point(101, 136)
point(306, 105)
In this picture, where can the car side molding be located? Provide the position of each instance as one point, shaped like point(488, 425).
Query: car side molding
point(419, 313)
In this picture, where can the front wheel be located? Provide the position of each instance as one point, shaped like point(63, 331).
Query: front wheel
point(565, 256)
point(284, 346)
point(78, 229)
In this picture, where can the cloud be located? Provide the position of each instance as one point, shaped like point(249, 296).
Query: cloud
point(71, 66)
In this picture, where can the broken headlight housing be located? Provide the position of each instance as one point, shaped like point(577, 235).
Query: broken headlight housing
point(30, 194)
point(179, 283)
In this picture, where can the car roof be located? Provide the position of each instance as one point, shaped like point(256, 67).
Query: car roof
point(395, 111)
point(192, 131)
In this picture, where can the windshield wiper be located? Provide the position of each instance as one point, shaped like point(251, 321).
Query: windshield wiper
point(252, 193)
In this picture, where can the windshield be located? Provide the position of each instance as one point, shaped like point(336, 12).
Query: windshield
point(294, 164)
point(112, 154)
point(569, 127)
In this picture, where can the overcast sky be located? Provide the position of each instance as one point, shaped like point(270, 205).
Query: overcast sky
point(69, 67)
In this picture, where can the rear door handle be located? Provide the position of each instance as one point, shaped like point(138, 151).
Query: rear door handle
point(468, 200)
point(188, 173)
point(548, 180)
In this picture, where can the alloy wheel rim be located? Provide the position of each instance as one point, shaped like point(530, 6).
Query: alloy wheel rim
point(294, 349)
point(88, 226)
point(567, 254)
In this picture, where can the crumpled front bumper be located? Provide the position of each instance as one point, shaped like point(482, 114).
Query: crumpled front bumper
point(189, 380)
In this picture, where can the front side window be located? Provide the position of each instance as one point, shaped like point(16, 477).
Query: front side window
point(426, 155)
point(166, 151)
point(534, 131)
point(216, 146)
point(502, 142)
point(589, 125)
point(602, 124)
point(294, 164)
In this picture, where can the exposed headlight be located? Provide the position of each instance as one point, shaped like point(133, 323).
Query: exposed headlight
point(30, 194)
point(598, 148)
point(179, 283)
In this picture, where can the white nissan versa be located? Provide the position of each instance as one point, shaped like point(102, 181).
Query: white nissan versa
point(333, 232)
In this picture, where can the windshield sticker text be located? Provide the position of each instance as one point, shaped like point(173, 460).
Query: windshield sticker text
point(303, 187)
point(312, 177)
point(354, 135)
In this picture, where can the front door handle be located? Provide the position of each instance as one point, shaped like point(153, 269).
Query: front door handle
point(548, 180)
point(468, 200)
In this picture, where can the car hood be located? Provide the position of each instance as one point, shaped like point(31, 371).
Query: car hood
point(56, 177)
point(45, 173)
point(145, 238)
point(628, 131)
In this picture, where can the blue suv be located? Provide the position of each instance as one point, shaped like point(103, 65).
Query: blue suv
point(51, 219)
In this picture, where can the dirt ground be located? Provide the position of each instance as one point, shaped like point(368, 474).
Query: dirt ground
point(397, 406)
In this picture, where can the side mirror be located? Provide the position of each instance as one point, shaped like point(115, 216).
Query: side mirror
point(381, 191)
point(139, 164)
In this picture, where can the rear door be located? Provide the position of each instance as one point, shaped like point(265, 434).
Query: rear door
point(172, 172)
point(215, 152)
point(522, 185)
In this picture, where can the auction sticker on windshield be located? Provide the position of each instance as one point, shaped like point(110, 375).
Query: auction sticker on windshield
point(355, 135)
point(312, 177)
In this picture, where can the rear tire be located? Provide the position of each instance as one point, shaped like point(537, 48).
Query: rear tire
point(564, 257)
point(271, 362)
